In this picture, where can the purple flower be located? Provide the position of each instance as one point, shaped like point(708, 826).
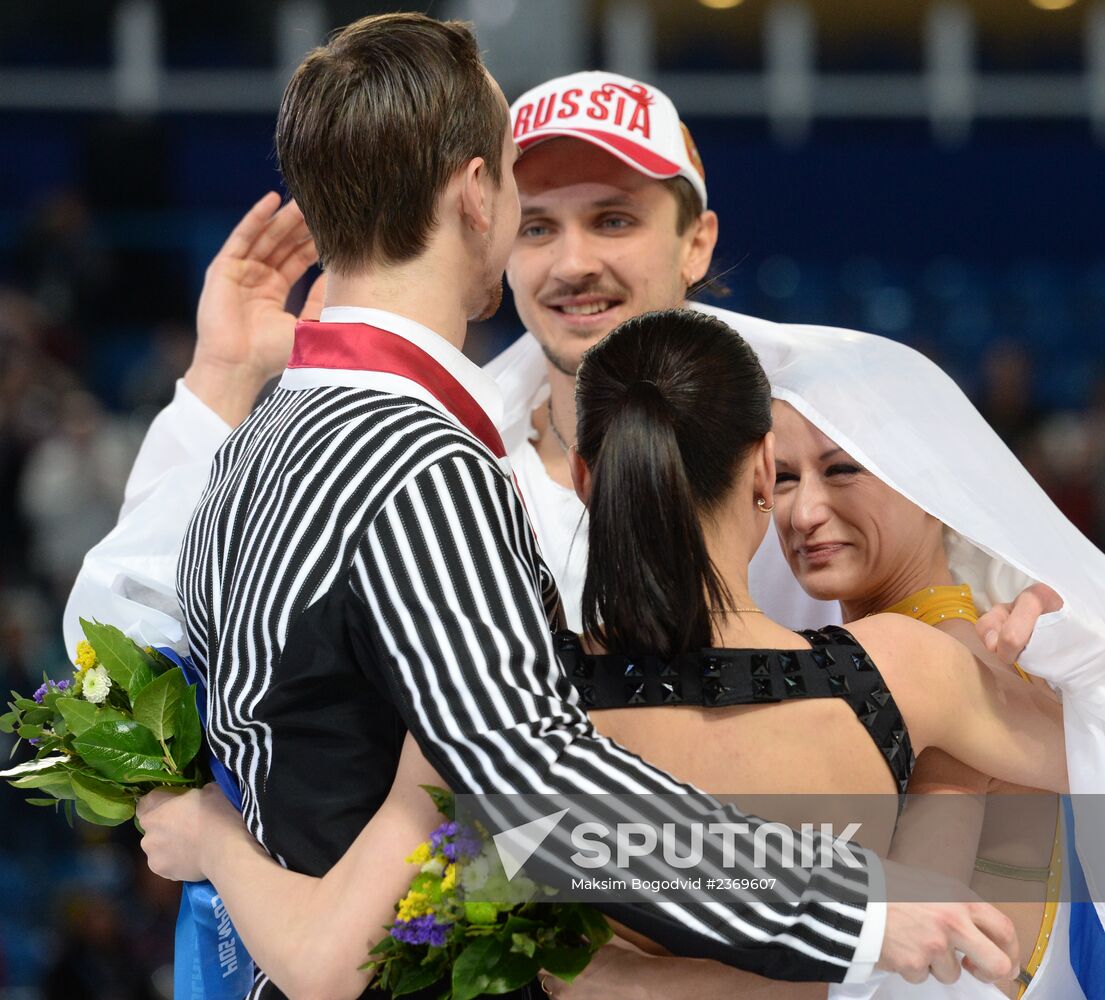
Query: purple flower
point(47, 686)
point(33, 741)
point(467, 845)
point(421, 930)
point(445, 830)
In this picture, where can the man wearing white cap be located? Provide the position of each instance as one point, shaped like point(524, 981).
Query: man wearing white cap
point(614, 223)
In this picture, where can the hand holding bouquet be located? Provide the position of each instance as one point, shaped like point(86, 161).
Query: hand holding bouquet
point(472, 947)
point(123, 723)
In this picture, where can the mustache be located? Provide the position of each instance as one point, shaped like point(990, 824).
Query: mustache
point(597, 289)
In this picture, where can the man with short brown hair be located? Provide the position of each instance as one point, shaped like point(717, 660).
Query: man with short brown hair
point(419, 86)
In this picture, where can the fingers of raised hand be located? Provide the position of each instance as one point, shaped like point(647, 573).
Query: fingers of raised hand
point(298, 257)
point(243, 235)
point(284, 231)
point(1006, 629)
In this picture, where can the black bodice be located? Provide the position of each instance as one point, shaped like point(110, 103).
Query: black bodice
point(835, 666)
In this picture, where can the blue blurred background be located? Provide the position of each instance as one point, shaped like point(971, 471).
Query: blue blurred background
point(931, 170)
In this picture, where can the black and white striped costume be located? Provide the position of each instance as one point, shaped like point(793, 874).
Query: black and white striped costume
point(359, 564)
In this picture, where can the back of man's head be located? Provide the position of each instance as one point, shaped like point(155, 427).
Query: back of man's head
point(374, 124)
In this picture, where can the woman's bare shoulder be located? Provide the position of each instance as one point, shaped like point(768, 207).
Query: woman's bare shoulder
point(920, 664)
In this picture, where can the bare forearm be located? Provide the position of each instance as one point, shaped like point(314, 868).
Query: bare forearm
point(309, 934)
point(271, 908)
point(942, 822)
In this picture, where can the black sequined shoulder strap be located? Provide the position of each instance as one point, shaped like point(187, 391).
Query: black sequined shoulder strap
point(835, 666)
point(866, 692)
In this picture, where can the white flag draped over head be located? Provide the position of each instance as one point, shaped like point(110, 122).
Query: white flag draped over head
point(908, 423)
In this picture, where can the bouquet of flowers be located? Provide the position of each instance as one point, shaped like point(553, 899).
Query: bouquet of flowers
point(123, 723)
point(470, 948)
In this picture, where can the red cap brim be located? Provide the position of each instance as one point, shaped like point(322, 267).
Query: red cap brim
point(635, 155)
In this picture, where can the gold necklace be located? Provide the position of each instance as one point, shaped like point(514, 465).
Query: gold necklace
point(737, 611)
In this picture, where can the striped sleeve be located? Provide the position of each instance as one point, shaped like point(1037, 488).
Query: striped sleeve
point(450, 582)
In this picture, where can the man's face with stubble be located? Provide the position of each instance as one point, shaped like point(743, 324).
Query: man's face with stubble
point(597, 244)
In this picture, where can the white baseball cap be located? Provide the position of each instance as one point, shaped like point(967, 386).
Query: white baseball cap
point(628, 119)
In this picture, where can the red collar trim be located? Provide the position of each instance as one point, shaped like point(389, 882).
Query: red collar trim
point(360, 347)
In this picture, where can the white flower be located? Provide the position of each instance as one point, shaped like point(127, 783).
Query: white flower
point(474, 874)
point(96, 685)
point(435, 866)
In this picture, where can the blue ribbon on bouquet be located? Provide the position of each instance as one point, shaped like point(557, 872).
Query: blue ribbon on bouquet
point(210, 961)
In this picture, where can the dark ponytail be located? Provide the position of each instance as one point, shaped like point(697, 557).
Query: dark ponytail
point(667, 405)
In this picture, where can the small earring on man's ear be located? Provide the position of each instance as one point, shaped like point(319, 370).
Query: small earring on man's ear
point(763, 507)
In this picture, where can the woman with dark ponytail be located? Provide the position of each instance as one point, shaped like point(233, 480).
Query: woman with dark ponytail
point(664, 422)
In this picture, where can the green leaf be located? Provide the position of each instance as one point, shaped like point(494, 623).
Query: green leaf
point(126, 664)
point(524, 944)
point(29, 732)
point(102, 797)
point(79, 715)
point(24, 704)
point(189, 730)
point(511, 972)
point(521, 925)
point(595, 926)
point(443, 799)
point(564, 963)
point(161, 662)
point(9, 721)
point(89, 815)
point(167, 778)
point(42, 802)
point(411, 980)
point(157, 705)
point(58, 784)
point(121, 751)
point(470, 976)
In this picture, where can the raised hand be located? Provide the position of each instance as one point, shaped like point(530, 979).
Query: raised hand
point(243, 326)
point(1006, 628)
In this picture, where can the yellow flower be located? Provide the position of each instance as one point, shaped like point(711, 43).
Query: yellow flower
point(414, 904)
point(420, 855)
point(86, 655)
point(449, 881)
